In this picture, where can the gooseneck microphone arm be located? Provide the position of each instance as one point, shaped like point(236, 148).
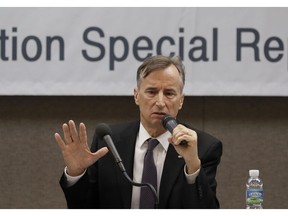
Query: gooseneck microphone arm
point(156, 201)
point(103, 131)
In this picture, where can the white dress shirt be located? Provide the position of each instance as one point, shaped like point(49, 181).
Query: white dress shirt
point(159, 154)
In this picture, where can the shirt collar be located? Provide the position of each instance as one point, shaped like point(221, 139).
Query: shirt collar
point(163, 138)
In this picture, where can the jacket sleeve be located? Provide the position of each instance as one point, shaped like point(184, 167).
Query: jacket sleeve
point(202, 194)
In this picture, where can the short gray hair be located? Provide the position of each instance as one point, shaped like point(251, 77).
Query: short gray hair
point(160, 62)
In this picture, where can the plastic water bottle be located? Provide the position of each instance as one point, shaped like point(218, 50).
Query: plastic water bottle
point(254, 191)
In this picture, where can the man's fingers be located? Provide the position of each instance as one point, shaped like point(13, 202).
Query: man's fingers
point(82, 133)
point(67, 135)
point(100, 153)
point(59, 140)
point(73, 131)
point(181, 133)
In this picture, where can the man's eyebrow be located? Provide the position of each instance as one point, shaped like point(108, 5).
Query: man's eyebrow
point(151, 88)
point(170, 89)
point(166, 89)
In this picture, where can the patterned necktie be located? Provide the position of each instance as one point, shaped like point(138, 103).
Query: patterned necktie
point(149, 176)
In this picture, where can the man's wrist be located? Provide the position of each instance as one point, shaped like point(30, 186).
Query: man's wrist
point(72, 176)
point(73, 173)
point(191, 178)
point(71, 180)
point(193, 167)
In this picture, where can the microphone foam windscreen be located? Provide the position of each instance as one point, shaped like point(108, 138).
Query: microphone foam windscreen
point(166, 119)
point(102, 130)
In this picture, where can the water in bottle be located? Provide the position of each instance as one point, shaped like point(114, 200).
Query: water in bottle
point(254, 191)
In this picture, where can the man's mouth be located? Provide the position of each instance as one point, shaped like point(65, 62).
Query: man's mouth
point(159, 113)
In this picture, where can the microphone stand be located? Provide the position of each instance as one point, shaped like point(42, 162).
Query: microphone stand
point(104, 131)
point(156, 200)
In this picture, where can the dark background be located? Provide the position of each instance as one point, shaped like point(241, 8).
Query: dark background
point(254, 132)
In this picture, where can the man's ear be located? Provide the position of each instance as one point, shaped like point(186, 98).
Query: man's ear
point(136, 94)
point(181, 102)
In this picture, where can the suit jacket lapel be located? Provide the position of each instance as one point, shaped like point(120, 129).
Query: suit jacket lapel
point(126, 147)
point(173, 165)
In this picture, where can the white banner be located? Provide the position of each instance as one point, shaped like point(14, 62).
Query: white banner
point(96, 51)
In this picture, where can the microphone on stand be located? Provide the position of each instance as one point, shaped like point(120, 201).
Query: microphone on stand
point(169, 123)
point(104, 132)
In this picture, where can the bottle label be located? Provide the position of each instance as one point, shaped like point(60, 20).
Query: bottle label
point(254, 196)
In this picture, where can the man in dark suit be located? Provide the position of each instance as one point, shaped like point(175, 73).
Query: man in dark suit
point(185, 173)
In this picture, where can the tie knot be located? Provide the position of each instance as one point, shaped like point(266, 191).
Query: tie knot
point(152, 143)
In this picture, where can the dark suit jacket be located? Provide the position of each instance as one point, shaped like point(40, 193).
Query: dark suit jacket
point(104, 185)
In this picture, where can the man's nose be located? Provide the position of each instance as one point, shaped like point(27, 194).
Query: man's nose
point(160, 100)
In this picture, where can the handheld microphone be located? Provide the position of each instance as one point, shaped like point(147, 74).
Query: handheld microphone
point(104, 132)
point(169, 123)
